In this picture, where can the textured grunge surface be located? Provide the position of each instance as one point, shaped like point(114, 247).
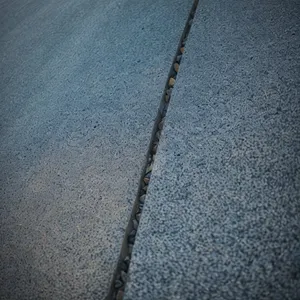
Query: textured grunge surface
point(80, 86)
point(222, 215)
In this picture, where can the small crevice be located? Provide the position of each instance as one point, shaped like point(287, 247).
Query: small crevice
point(117, 287)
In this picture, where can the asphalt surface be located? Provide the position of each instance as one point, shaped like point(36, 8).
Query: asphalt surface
point(80, 85)
point(221, 219)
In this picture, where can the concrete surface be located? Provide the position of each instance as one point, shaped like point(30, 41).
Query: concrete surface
point(80, 85)
point(222, 215)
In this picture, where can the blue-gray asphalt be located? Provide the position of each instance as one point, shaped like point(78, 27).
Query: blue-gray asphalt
point(80, 86)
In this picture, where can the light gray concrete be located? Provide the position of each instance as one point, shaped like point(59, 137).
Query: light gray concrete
point(222, 215)
point(80, 85)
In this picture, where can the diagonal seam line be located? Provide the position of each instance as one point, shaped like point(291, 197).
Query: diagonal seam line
point(118, 283)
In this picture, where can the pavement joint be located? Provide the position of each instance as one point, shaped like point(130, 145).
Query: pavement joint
point(120, 278)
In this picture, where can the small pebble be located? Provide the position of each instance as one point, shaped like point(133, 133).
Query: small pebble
point(171, 82)
point(127, 260)
point(138, 216)
point(131, 239)
point(164, 112)
point(178, 58)
point(142, 199)
point(135, 224)
point(130, 246)
point(132, 232)
point(161, 124)
point(149, 168)
point(118, 284)
point(124, 266)
point(120, 295)
point(154, 149)
point(182, 50)
point(168, 95)
point(176, 67)
point(145, 188)
point(147, 177)
point(123, 276)
point(157, 135)
point(143, 184)
point(169, 91)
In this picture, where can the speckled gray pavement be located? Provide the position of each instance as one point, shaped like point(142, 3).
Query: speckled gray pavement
point(80, 85)
point(222, 217)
